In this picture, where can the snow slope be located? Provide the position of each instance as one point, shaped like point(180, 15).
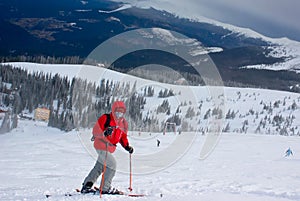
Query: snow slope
point(37, 160)
point(251, 105)
point(123, 7)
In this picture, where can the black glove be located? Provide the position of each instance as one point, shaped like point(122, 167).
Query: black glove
point(129, 149)
point(108, 131)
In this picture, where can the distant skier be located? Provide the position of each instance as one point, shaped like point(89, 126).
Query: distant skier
point(109, 130)
point(288, 152)
point(158, 142)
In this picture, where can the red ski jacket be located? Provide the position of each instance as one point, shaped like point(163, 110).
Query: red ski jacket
point(119, 134)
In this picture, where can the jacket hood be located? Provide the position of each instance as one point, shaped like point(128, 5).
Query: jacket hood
point(118, 104)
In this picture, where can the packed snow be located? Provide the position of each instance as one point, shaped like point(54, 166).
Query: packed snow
point(37, 160)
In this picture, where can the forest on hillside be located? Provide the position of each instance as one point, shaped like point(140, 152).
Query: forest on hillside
point(73, 103)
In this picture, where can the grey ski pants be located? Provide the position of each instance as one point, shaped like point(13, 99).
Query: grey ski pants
point(104, 157)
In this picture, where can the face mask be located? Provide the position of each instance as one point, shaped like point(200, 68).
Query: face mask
point(119, 115)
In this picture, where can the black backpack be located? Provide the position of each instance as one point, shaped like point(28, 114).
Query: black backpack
point(107, 122)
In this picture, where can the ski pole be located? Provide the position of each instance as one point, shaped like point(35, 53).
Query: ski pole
point(130, 174)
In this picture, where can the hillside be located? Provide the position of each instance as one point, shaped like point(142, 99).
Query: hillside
point(240, 110)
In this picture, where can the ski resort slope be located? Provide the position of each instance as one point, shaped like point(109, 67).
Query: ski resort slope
point(37, 160)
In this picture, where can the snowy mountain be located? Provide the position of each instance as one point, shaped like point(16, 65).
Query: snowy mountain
point(243, 163)
point(281, 48)
point(68, 31)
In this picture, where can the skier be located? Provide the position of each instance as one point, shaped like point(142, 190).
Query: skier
point(109, 130)
point(157, 142)
point(288, 152)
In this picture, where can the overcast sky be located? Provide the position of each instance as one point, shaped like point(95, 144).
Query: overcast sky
point(273, 18)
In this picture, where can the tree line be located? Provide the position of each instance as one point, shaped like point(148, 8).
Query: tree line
point(72, 103)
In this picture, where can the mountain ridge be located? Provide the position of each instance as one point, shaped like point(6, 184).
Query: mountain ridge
point(75, 29)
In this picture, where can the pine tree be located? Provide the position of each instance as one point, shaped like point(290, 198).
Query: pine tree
point(227, 128)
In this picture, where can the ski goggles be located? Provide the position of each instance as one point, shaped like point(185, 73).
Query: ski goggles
point(119, 114)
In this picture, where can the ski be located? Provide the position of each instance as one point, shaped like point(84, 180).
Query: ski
point(96, 192)
point(135, 195)
point(123, 194)
point(68, 194)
